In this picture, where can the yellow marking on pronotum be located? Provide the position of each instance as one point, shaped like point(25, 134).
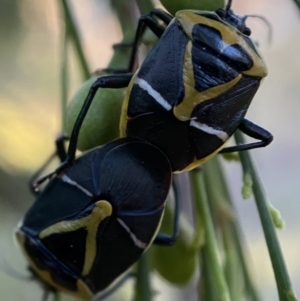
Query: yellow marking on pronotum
point(192, 97)
point(188, 19)
point(91, 223)
point(229, 35)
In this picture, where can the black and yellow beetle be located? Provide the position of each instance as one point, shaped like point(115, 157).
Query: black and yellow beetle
point(99, 213)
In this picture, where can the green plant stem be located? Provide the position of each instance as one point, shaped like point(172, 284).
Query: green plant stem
point(297, 2)
point(218, 192)
point(198, 238)
point(143, 290)
point(202, 209)
point(128, 20)
point(223, 215)
point(56, 297)
point(127, 17)
point(284, 287)
point(64, 79)
point(74, 36)
point(207, 289)
point(145, 6)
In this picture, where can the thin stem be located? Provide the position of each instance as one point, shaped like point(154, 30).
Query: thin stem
point(202, 208)
point(215, 179)
point(297, 2)
point(56, 297)
point(74, 36)
point(207, 289)
point(143, 290)
point(284, 287)
point(64, 79)
point(145, 6)
point(127, 17)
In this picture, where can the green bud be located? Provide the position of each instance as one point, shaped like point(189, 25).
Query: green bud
point(231, 156)
point(247, 190)
point(101, 123)
point(277, 219)
point(175, 5)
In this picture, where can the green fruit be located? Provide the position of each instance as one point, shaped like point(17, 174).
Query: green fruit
point(101, 123)
point(176, 264)
point(175, 5)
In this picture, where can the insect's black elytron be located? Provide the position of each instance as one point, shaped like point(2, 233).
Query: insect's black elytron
point(100, 212)
point(93, 221)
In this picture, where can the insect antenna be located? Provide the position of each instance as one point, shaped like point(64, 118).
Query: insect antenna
point(228, 5)
point(267, 23)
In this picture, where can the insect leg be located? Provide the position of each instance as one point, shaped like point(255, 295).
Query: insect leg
point(110, 81)
point(150, 22)
point(254, 131)
point(162, 15)
point(59, 152)
point(164, 239)
point(144, 21)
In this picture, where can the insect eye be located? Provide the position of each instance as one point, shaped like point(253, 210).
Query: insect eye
point(221, 13)
point(247, 31)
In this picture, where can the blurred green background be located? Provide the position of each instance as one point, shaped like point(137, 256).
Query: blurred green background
point(30, 51)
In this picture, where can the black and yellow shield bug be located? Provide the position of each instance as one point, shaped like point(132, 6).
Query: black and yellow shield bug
point(100, 212)
point(194, 88)
point(96, 218)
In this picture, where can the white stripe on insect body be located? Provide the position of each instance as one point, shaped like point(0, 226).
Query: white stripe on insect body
point(68, 180)
point(156, 95)
point(209, 130)
point(140, 244)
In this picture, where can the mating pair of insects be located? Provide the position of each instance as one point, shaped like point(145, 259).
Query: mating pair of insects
point(101, 211)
